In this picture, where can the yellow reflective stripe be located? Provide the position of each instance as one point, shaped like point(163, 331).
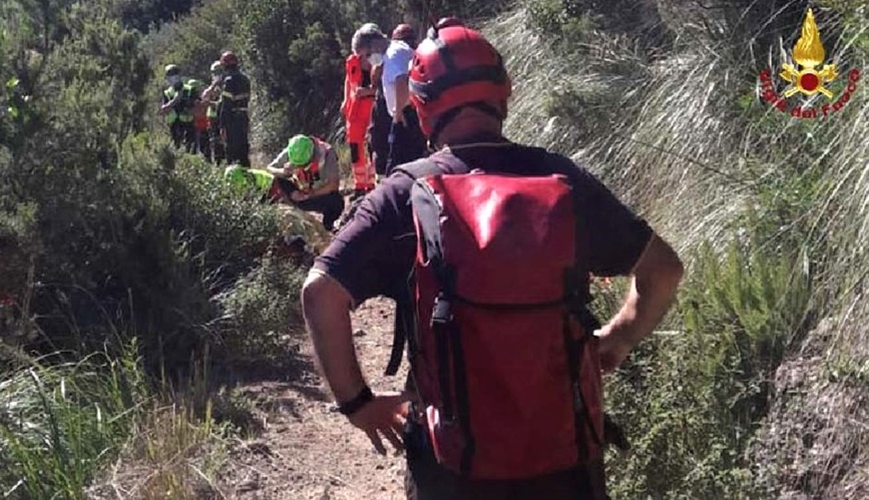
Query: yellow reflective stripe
point(234, 97)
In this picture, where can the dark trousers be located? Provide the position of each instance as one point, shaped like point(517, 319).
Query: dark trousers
point(426, 480)
point(183, 134)
point(215, 141)
point(237, 145)
point(378, 135)
point(406, 142)
point(203, 144)
point(330, 205)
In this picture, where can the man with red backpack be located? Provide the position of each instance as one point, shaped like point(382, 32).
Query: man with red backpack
point(486, 247)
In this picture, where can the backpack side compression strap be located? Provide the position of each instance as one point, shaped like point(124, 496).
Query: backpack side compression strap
point(404, 314)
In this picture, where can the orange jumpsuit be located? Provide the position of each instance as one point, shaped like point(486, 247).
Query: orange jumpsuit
point(357, 113)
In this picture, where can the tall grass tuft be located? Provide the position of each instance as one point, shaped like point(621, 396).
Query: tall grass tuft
point(60, 422)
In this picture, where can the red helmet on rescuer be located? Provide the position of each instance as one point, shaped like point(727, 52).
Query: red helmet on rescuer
point(403, 32)
point(452, 69)
point(229, 58)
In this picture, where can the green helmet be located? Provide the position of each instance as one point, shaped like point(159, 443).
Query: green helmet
point(171, 69)
point(238, 177)
point(300, 150)
point(195, 84)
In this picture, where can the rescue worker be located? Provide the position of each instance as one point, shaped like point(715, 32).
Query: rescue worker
point(211, 95)
point(195, 88)
point(358, 103)
point(176, 108)
point(270, 187)
point(233, 111)
point(404, 139)
point(460, 89)
point(312, 166)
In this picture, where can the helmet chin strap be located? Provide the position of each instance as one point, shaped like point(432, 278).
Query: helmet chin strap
point(450, 115)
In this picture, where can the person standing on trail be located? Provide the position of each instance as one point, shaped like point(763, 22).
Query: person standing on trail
point(358, 103)
point(212, 95)
point(176, 108)
point(194, 89)
point(311, 167)
point(404, 141)
point(233, 111)
point(489, 270)
point(379, 124)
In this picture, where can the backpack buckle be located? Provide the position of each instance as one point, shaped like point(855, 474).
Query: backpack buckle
point(441, 314)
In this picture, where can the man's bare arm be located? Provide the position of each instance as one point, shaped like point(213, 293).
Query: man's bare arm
point(402, 97)
point(655, 280)
point(328, 187)
point(326, 305)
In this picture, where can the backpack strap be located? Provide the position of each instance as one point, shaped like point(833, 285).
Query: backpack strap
point(405, 314)
point(405, 317)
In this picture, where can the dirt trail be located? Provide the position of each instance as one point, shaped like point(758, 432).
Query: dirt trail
point(308, 451)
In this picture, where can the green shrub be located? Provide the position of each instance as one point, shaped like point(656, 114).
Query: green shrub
point(262, 310)
point(693, 399)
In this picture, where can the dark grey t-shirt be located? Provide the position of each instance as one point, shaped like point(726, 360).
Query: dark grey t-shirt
point(373, 254)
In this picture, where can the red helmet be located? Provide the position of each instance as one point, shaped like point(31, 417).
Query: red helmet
point(228, 58)
point(404, 32)
point(446, 22)
point(455, 68)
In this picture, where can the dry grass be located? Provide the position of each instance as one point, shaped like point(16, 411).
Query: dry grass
point(173, 455)
point(693, 149)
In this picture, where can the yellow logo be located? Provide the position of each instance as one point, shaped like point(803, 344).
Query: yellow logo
point(808, 53)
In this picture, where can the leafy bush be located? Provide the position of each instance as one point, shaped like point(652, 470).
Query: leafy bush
point(259, 309)
point(112, 224)
point(694, 398)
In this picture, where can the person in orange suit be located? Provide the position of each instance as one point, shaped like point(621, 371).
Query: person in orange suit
point(358, 102)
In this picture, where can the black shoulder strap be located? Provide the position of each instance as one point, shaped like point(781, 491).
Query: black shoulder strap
point(405, 314)
point(405, 318)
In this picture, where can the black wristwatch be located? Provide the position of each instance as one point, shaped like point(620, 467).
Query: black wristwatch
point(364, 397)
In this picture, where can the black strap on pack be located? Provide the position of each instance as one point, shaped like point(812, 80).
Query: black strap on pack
point(577, 290)
point(405, 317)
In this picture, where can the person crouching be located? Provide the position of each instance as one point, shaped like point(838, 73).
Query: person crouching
point(311, 177)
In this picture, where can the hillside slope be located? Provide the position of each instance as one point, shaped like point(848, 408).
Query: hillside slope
point(762, 392)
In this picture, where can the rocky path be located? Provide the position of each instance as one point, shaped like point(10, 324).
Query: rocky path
point(307, 451)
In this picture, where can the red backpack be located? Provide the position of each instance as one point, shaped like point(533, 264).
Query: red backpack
point(502, 353)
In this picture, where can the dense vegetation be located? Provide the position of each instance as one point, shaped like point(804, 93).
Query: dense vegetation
point(128, 270)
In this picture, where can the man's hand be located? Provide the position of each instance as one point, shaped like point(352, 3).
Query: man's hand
point(383, 417)
point(298, 196)
point(612, 349)
point(364, 92)
point(656, 277)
